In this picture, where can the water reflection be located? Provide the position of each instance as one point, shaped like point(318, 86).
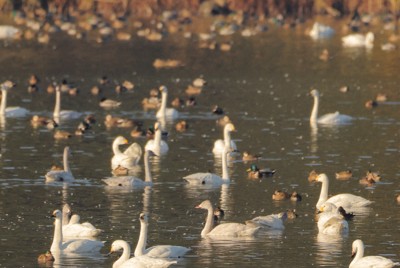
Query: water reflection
point(328, 247)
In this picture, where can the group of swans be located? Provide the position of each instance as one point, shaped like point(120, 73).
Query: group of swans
point(132, 181)
point(155, 256)
point(77, 246)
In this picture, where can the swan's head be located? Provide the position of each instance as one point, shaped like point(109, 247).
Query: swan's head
point(57, 214)
point(117, 245)
point(230, 127)
point(328, 207)
point(314, 93)
point(144, 217)
point(67, 150)
point(354, 247)
point(322, 177)
point(7, 85)
point(120, 140)
point(206, 204)
point(163, 89)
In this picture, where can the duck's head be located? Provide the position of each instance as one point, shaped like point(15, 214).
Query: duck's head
point(253, 167)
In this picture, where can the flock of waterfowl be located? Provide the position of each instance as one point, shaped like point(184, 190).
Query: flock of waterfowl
point(71, 236)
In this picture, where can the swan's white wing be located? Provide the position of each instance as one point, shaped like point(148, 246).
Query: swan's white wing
point(59, 175)
point(219, 146)
point(134, 150)
point(16, 112)
point(80, 230)
point(147, 262)
point(272, 221)
point(334, 118)
point(373, 262)
point(166, 251)
point(82, 246)
point(233, 230)
point(125, 181)
point(349, 201)
point(203, 178)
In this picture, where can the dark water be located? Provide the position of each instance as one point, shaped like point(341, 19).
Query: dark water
point(263, 84)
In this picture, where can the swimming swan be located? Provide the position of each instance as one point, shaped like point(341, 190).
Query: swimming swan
point(327, 119)
point(359, 261)
point(71, 246)
point(127, 159)
point(208, 178)
point(157, 145)
point(141, 261)
point(162, 251)
point(164, 112)
point(224, 230)
point(330, 221)
point(61, 175)
point(358, 40)
point(132, 181)
point(65, 114)
point(71, 227)
point(9, 111)
point(349, 202)
point(220, 144)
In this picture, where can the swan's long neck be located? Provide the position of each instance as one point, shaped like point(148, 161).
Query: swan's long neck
point(58, 237)
point(65, 161)
point(115, 148)
point(65, 220)
point(126, 253)
point(323, 196)
point(227, 138)
point(141, 245)
point(147, 172)
point(225, 173)
point(314, 112)
point(163, 107)
point(57, 107)
point(209, 222)
point(359, 253)
point(157, 139)
point(3, 104)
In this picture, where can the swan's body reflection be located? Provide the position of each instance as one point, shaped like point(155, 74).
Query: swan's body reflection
point(328, 246)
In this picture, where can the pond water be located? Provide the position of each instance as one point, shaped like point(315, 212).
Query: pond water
point(263, 85)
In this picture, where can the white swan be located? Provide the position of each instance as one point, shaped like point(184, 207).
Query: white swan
point(138, 262)
point(330, 221)
point(162, 251)
point(272, 221)
point(321, 31)
point(9, 111)
point(327, 119)
point(164, 112)
point(132, 181)
point(359, 40)
point(220, 144)
point(61, 175)
point(349, 202)
point(71, 246)
point(224, 230)
point(208, 178)
point(127, 159)
point(359, 261)
point(64, 114)
point(157, 145)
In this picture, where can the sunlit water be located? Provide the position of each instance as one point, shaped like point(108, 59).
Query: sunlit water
point(263, 84)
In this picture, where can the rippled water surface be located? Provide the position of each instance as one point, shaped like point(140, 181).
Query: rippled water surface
point(263, 84)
